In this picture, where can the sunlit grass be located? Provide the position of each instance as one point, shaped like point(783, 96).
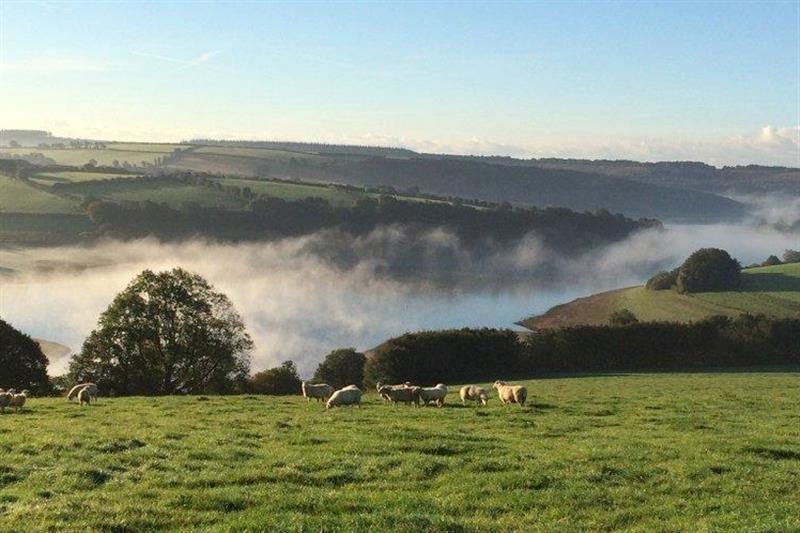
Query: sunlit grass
point(670, 452)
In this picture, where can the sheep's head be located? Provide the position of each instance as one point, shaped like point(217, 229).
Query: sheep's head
point(498, 384)
point(484, 399)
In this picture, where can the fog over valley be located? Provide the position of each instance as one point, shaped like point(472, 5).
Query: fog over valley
point(303, 297)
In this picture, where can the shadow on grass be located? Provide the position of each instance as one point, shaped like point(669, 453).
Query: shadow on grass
point(776, 454)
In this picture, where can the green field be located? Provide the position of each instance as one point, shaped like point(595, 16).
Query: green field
point(295, 191)
point(49, 178)
point(156, 148)
point(168, 192)
point(81, 156)
point(773, 291)
point(662, 452)
point(19, 197)
point(258, 153)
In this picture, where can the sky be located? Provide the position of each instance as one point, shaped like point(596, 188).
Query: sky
point(711, 81)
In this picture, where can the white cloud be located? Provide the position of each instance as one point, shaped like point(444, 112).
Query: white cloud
point(184, 64)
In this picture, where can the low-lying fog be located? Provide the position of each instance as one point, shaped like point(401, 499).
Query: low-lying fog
point(300, 300)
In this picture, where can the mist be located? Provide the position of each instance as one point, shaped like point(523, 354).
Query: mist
point(303, 297)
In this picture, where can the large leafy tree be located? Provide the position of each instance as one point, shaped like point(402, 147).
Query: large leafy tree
point(709, 270)
point(22, 363)
point(166, 333)
point(281, 380)
point(341, 368)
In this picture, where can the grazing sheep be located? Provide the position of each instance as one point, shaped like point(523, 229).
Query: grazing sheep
point(473, 393)
point(435, 394)
point(5, 400)
point(350, 395)
point(85, 396)
point(320, 391)
point(18, 400)
point(407, 395)
point(510, 393)
point(385, 397)
point(73, 392)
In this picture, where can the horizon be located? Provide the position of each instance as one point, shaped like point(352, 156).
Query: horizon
point(710, 82)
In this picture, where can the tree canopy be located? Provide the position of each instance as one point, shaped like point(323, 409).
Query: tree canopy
point(166, 333)
point(709, 270)
point(22, 363)
point(341, 368)
point(281, 380)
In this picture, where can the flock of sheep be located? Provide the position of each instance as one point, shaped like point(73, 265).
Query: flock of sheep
point(409, 393)
point(12, 398)
point(406, 393)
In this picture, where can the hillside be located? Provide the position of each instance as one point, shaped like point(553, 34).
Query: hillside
point(773, 291)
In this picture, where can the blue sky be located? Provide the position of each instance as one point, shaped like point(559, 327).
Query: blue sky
point(715, 81)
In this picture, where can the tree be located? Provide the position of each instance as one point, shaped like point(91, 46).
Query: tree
point(791, 256)
point(341, 368)
point(281, 380)
point(166, 333)
point(772, 261)
point(22, 363)
point(662, 281)
point(13, 144)
point(709, 270)
point(622, 317)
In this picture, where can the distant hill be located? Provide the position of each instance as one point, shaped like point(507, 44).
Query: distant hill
point(773, 291)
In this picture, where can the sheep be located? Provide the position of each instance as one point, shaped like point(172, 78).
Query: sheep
point(397, 394)
point(85, 396)
point(319, 391)
point(5, 401)
point(473, 393)
point(18, 400)
point(73, 392)
point(350, 395)
point(435, 394)
point(510, 393)
point(385, 397)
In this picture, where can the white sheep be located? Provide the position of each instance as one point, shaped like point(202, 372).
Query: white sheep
point(319, 391)
point(401, 393)
point(350, 395)
point(5, 400)
point(385, 397)
point(473, 393)
point(18, 400)
point(435, 394)
point(85, 396)
point(510, 393)
point(73, 392)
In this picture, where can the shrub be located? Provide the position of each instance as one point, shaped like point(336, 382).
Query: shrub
point(451, 356)
point(341, 368)
point(280, 381)
point(622, 317)
point(662, 281)
point(709, 270)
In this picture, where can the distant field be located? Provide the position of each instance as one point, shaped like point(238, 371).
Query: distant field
point(168, 192)
point(666, 452)
point(79, 157)
point(772, 290)
point(41, 229)
point(259, 153)
point(160, 148)
point(19, 197)
point(295, 191)
point(50, 178)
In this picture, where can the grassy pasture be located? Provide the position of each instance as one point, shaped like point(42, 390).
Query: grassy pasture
point(159, 148)
point(773, 291)
point(81, 156)
point(19, 197)
point(658, 452)
point(258, 153)
point(295, 191)
point(70, 176)
point(168, 192)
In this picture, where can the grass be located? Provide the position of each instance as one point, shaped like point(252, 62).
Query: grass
point(173, 194)
point(773, 291)
point(50, 178)
point(660, 452)
point(295, 191)
point(17, 196)
point(81, 156)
